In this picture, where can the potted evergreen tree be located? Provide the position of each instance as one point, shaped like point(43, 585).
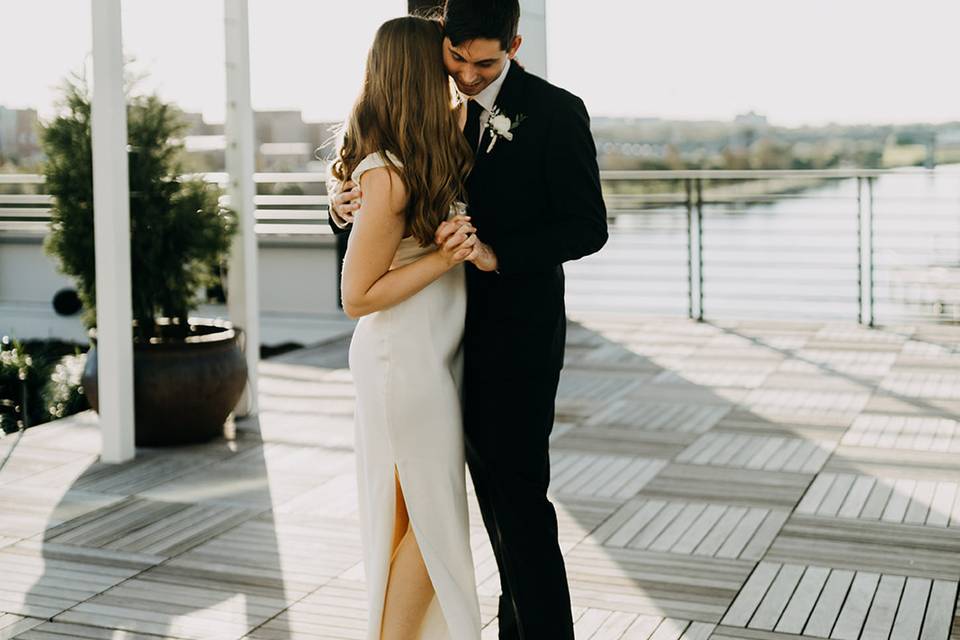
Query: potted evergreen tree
point(189, 372)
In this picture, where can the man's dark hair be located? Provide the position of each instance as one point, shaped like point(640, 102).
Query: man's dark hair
point(489, 19)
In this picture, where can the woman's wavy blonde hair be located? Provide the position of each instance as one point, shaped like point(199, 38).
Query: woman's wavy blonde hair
point(406, 107)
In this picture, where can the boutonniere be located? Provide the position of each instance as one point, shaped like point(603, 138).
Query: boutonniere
point(501, 126)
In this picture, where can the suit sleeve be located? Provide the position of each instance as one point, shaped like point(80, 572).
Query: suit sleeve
point(577, 215)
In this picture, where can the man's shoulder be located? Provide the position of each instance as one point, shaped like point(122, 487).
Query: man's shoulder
point(544, 92)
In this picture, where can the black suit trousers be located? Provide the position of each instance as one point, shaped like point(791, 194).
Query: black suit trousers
point(507, 453)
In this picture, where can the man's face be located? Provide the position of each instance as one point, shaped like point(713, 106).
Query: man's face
point(474, 64)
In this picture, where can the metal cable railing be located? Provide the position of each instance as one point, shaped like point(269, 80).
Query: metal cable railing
point(878, 246)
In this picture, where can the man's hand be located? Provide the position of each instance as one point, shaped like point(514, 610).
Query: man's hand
point(345, 201)
point(458, 232)
point(483, 257)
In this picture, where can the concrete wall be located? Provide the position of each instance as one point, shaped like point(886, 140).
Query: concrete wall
point(298, 290)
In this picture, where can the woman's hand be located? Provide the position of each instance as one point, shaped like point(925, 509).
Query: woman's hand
point(456, 239)
point(481, 254)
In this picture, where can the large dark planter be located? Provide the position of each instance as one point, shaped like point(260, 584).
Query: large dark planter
point(184, 389)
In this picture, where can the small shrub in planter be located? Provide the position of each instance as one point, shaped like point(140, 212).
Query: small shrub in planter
point(188, 372)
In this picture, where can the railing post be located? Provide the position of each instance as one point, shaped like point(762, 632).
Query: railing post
point(871, 254)
point(688, 187)
point(859, 250)
point(700, 248)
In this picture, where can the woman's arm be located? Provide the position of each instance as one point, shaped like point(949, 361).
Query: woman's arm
point(368, 284)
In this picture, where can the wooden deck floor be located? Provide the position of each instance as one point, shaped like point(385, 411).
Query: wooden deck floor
point(752, 480)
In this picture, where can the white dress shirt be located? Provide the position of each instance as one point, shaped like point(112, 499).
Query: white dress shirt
point(488, 97)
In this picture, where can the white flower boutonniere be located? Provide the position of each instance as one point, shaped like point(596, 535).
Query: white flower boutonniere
point(501, 126)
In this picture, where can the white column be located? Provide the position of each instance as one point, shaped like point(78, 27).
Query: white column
point(111, 205)
point(243, 296)
point(533, 28)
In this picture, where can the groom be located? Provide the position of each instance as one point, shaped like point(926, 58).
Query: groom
point(534, 198)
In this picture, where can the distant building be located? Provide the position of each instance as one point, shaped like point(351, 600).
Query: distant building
point(751, 119)
point(284, 141)
point(949, 138)
point(19, 140)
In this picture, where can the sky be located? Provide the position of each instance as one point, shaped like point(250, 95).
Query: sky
point(795, 61)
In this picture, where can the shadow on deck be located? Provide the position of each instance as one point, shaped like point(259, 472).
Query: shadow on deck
point(750, 480)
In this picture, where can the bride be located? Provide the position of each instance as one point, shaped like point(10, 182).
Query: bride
point(403, 148)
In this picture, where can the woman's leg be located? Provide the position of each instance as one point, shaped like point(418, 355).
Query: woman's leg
point(402, 521)
point(409, 590)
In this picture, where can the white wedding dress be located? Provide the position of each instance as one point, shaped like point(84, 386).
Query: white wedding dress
point(407, 366)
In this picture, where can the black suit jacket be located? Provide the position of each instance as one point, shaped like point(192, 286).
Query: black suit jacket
point(536, 201)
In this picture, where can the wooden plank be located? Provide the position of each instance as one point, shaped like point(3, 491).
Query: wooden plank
point(764, 535)
point(751, 595)
point(11, 625)
point(879, 496)
point(698, 631)
point(718, 535)
point(672, 534)
point(643, 472)
point(590, 622)
point(943, 498)
point(899, 500)
point(855, 607)
point(777, 596)
point(856, 500)
point(825, 612)
point(642, 628)
point(883, 608)
point(647, 512)
point(955, 512)
point(785, 450)
point(816, 493)
point(818, 458)
point(614, 626)
point(615, 522)
point(809, 457)
point(700, 529)
point(670, 629)
point(909, 620)
point(920, 502)
point(838, 493)
point(939, 615)
point(657, 525)
point(798, 611)
point(738, 540)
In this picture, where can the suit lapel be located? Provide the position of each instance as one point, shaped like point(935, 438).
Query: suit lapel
point(508, 101)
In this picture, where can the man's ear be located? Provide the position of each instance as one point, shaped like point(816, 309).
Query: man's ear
point(514, 46)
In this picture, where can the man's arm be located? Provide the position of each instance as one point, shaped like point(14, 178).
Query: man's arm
point(577, 222)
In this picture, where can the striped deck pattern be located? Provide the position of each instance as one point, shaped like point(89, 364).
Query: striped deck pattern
point(754, 480)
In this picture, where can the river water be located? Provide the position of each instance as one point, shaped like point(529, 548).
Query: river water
point(793, 258)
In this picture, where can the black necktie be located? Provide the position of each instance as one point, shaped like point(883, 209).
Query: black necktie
point(472, 128)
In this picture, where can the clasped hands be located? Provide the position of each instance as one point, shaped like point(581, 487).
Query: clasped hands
point(458, 242)
point(456, 238)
